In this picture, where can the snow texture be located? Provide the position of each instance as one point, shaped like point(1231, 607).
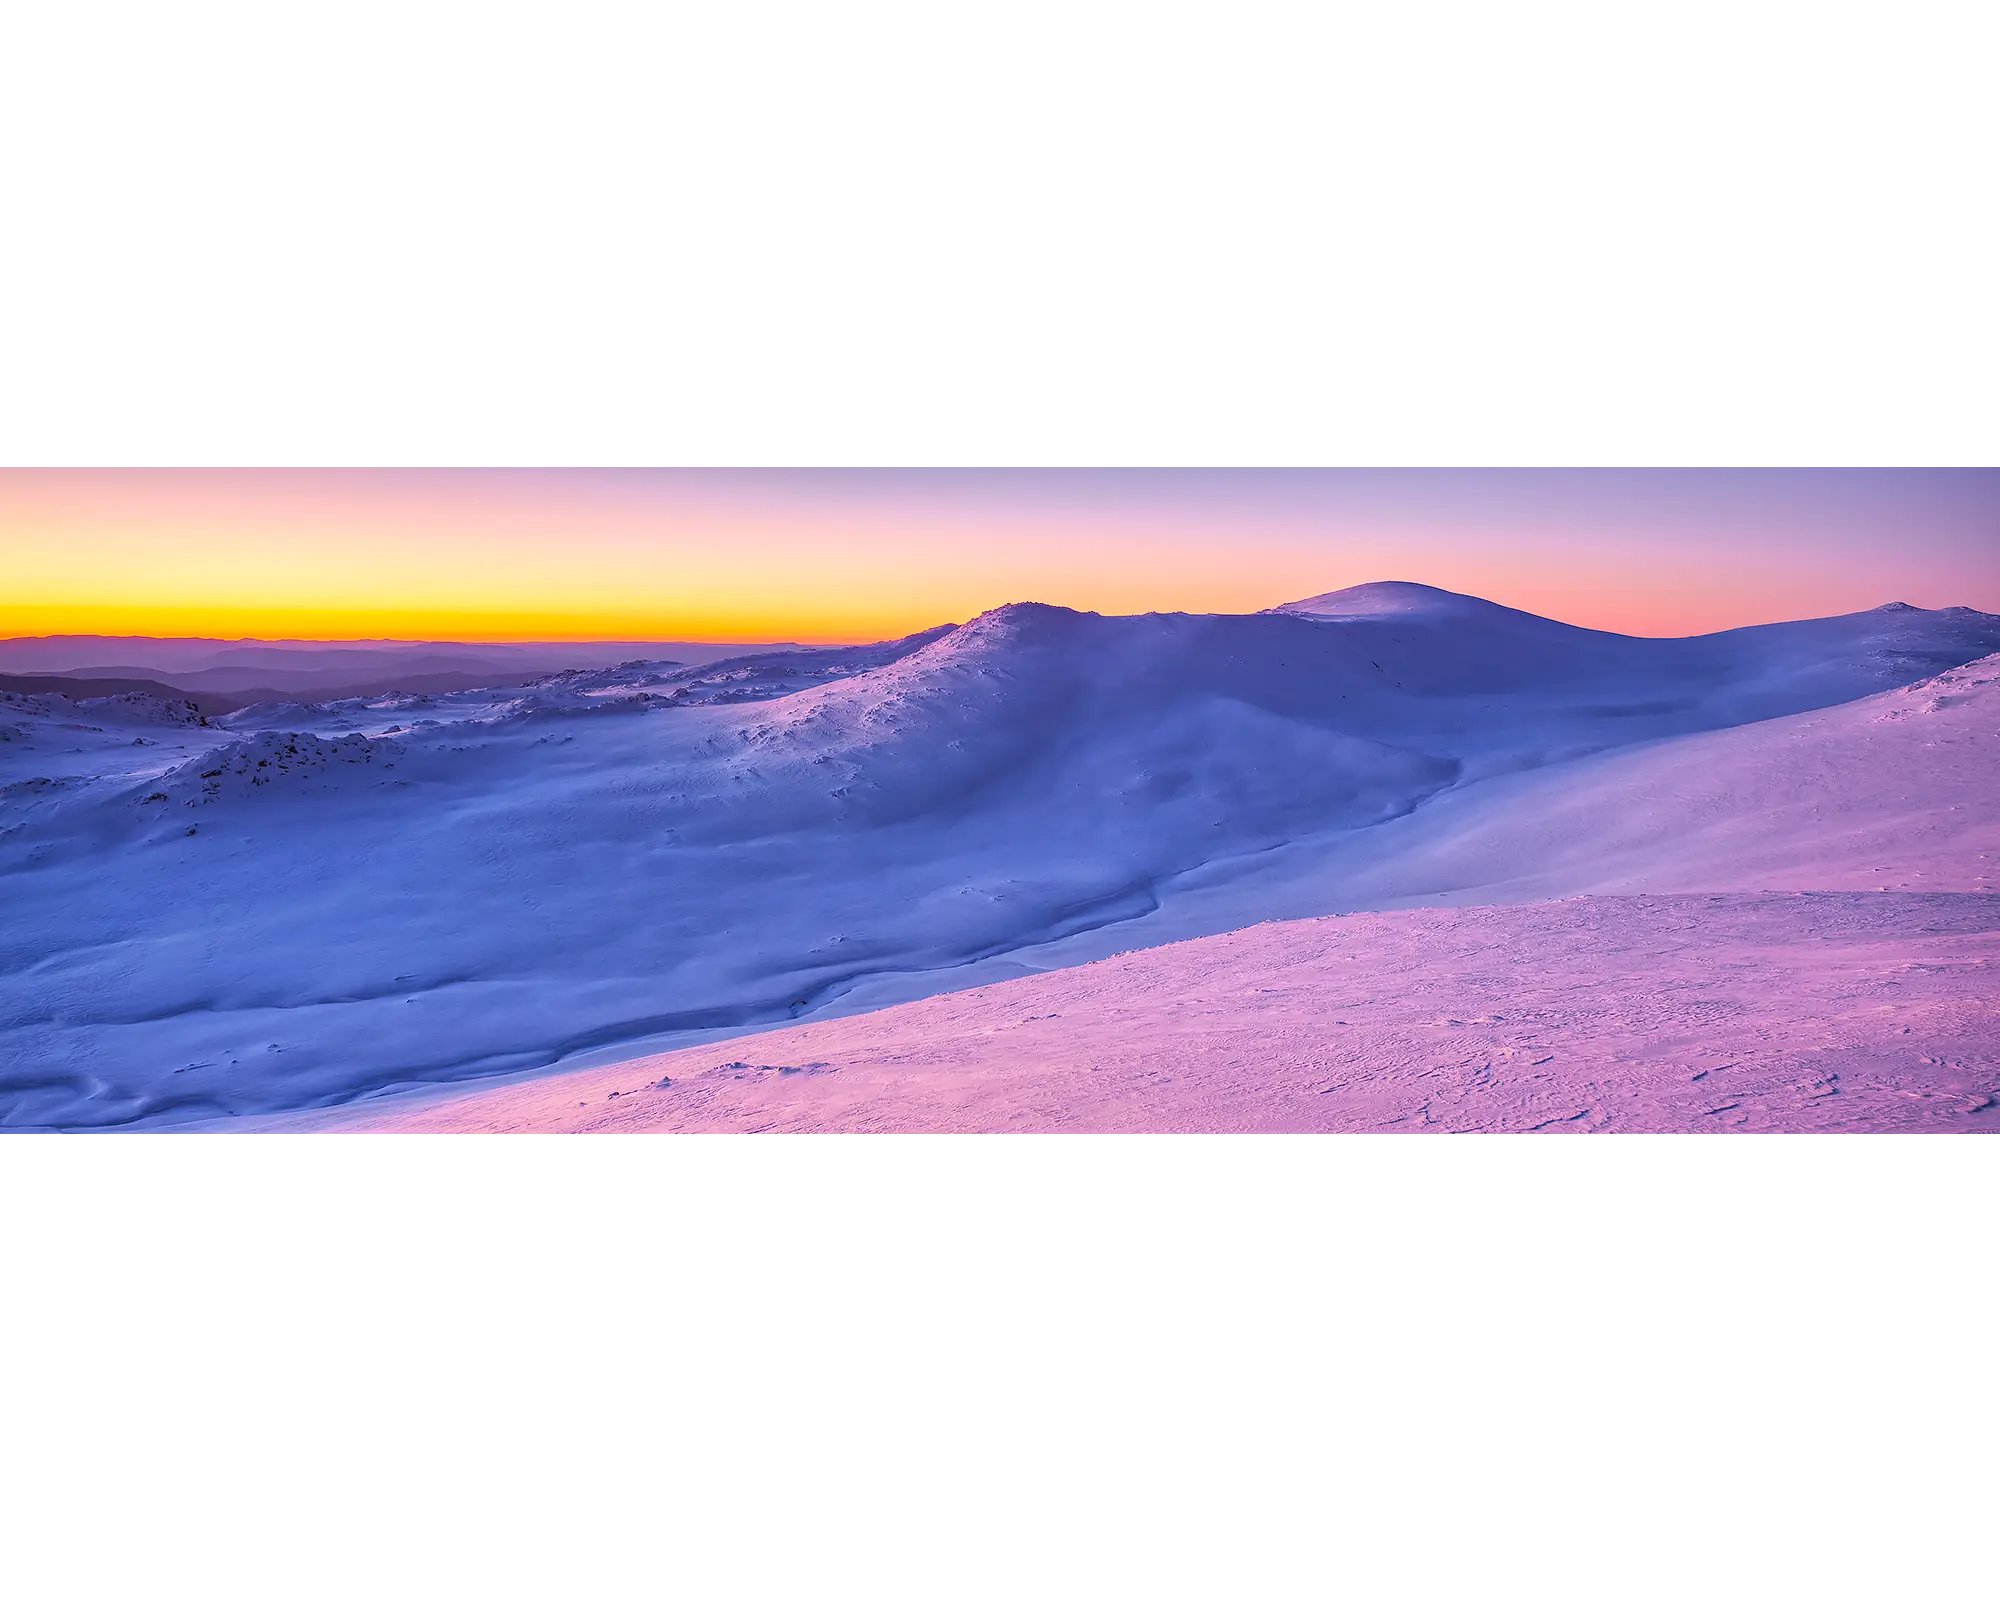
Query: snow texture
point(1602, 1014)
point(299, 906)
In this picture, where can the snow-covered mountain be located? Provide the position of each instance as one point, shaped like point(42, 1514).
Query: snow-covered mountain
point(298, 904)
point(1792, 926)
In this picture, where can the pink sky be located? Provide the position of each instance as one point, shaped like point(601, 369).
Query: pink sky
point(869, 554)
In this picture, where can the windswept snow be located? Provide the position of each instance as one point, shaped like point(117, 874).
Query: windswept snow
point(1605, 1014)
point(295, 906)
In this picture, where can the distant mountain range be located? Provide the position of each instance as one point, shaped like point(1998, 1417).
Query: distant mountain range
point(224, 675)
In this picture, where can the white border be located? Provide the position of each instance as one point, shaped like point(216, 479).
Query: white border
point(1060, 234)
point(991, 1366)
point(1047, 234)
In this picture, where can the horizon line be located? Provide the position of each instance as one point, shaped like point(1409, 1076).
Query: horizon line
point(812, 639)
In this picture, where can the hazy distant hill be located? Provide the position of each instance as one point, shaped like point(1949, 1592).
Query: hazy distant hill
point(209, 703)
point(223, 675)
point(250, 686)
point(353, 661)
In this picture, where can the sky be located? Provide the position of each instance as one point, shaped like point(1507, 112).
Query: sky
point(830, 556)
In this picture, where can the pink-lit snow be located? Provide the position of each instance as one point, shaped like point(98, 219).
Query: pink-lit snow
point(1645, 1013)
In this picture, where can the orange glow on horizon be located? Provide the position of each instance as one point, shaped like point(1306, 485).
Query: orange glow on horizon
point(820, 559)
point(292, 624)
point(286, 623)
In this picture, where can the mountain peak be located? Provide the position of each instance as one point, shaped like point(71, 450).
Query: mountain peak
point(1022, 620)
point(1389, 599)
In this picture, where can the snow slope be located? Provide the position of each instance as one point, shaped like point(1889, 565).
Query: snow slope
point(1895, 791)
point(329, 901)
point(1845, 975)
point(1606, 1014)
